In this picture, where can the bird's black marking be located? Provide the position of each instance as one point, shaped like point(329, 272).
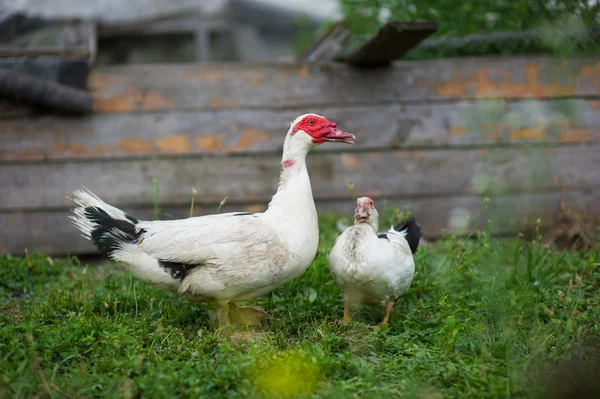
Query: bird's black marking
point(245, 214)
point(383, 236)
point(110, 234)
point(177, 270)
point(413, 232)
point(132, 219)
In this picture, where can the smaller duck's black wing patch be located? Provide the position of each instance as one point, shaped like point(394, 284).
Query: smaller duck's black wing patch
point(383, 236)
point(177, 270)
point(413, 232)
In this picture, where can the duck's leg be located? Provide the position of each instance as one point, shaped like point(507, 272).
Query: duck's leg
point(223, 314)
point(247, 315)
point(346, 318)
point(386, 315)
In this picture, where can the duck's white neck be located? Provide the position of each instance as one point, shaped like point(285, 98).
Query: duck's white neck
point(292, 211)
point(294, 193)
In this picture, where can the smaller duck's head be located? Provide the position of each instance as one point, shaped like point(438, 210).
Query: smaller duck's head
point(365, 212)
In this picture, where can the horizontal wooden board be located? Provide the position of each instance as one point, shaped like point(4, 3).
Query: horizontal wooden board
point(53, 233)
point(250, 178)
point(144, 88)
point(465, 123)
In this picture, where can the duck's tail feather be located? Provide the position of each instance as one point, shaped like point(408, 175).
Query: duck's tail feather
point(109, 228)
point(411, 231)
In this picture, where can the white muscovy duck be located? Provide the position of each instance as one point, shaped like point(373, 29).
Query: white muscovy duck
point(224, 258)
point(374, 268)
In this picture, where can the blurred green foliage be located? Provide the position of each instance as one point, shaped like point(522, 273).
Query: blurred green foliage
point(485, 26)
point(459, 18)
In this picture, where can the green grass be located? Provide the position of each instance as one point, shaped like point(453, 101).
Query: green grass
point(483, 318)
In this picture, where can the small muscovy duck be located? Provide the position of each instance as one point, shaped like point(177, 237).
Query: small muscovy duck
point(374, 268)
point(228, 257)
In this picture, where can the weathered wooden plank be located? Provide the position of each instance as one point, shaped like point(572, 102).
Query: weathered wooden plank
point(250, 178)
point(391, 42)
point(53, 233)
point(466, 123)
point(193, 86)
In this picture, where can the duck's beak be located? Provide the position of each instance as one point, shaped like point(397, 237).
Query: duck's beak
point(336, 135)
point(362, 214)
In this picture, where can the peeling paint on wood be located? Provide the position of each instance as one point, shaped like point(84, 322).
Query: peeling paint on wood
point(456, 131)
point(579, 135)
point(302, 73)
point(224, 103)
point(534, 133)
point(258, 80)
point(501, 82)
point(351, 161)
point(508, 213)
point(435, 172)
point(133, 146)
point(250, 137)
point(191, 86)
point(210, 143)
point(133, 100)
point(175, 144)
point(390, 126)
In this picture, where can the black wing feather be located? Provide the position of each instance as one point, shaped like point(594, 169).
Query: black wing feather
point(177, 270)
point(383, 236)
point(413, 232)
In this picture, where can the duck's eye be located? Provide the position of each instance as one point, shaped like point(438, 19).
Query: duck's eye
point(371, 204)
point(311, 122)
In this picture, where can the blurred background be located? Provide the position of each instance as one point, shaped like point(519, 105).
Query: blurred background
point(468, 115)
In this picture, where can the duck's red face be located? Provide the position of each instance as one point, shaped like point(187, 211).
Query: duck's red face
point(322, 130)
point(364, 207)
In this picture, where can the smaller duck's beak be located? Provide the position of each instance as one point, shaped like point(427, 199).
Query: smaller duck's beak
point(362, 214)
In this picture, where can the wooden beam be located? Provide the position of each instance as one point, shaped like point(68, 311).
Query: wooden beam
point(249, 178)
point(414, 126)
point(391, 42)
point(53, 233)
point(277, 86)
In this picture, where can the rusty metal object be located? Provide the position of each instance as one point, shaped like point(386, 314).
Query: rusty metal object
point(26, 88)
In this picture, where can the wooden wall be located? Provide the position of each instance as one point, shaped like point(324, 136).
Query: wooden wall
point(438, 135)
